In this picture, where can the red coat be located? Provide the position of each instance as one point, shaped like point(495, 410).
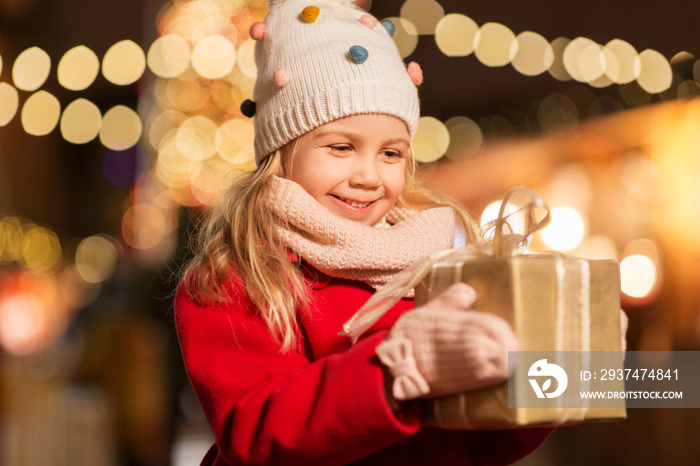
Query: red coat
point(324, 404)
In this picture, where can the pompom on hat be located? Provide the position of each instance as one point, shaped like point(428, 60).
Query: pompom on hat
point(320, 60)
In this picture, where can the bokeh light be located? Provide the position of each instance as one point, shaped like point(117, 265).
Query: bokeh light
point(557, 69)
point(495, 45)
point(424, 14)
point(637, 275)
point(40, 113)
point(627, 64)
point(121, 128)
point(454, 35)
point(169, 56)
point(535, 55)
point(123, 63)
point(656, 75)
point(78, 68)
point(95, 259)
point(31, 69)
point(143, 226)
point(41, 249)
point(80, 122)
point(566, 230)
point(584, 60)
point(466, 138)
point(214, 57)
point(431, 140)
point(234, 141)
point(9, 103)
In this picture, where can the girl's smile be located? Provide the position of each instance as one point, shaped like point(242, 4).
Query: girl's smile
point(354, 166)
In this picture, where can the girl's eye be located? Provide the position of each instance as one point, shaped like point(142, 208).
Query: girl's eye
point(340, 148)
point(392, 154)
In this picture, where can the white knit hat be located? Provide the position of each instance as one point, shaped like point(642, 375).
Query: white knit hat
point(320, 60)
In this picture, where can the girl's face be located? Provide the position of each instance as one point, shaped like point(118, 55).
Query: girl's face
point(354, 166)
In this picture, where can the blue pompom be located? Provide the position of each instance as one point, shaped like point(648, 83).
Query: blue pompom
point(389, 26)
point(358, 54)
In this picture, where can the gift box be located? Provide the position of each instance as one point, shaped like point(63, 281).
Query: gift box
point(554, 304)
point(564, 311)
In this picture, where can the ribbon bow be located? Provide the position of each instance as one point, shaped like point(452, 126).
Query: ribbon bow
point(500, 238)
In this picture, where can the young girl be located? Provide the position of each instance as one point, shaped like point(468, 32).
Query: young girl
point(297, 246)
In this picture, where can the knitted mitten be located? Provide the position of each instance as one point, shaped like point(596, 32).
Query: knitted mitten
point(443, 347)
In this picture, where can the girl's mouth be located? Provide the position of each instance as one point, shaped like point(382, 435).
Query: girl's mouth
point(350, 202)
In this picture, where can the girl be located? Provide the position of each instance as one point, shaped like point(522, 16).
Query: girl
point(298, 245)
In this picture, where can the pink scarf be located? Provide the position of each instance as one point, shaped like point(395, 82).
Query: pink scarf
point(342, 248)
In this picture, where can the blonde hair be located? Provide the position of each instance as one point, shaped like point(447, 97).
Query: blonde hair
point(239, 236)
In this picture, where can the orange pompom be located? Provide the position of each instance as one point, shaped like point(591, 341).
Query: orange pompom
point(310, 14)
point(415, 73)
point(257, 30)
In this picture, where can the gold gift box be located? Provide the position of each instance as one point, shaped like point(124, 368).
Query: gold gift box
point(542, 297)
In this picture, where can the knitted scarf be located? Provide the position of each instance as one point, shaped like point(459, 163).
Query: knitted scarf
point(342, 248)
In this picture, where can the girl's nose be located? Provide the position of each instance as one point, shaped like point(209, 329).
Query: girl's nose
point(365, 173)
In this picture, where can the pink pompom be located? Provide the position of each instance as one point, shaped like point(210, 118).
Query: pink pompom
point(281, 77)
point(415, 73)
point(257, 30)
point(369, 21)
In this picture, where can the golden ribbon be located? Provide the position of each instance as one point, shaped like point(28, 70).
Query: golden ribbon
point(499, 239)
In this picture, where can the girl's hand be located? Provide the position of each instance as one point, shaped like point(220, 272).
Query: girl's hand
point(444, 347)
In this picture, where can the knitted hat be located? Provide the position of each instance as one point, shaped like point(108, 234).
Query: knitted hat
point(320, 60)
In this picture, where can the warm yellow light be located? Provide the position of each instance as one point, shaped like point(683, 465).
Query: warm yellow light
point(215, 24)
point(121, 128)
point(656, 75)
point(465, 138)
point(143, 226)
point(584, 60)
point(234, 141)
point(78, 68)
point(425, 14)
point(209, 180)
point(558, 70)
point(9, 102)
point(637, 275)
point(566, 230)
point(454, 35)
point(431, 140)
point(11, 237)
point(95, 259)
point(81, 121)
point(535, 55)
point(495, 45)
point(406, 36)
point(214, 57)
point(41, 249)
point(166, 121)
point(195, 138)
point(169, 56)
point(31, 69)
point(246, 59)
point(124, 63)
point(40, 113)
point(626, 65)
point(22, 323)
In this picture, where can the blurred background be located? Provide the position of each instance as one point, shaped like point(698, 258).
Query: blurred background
point(120, 124)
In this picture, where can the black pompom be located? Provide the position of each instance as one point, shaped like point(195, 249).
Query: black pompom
point(248, 108)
